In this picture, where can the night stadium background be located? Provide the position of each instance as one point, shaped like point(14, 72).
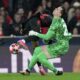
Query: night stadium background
point(17, 18)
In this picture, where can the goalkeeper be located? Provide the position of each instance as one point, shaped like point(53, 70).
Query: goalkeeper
point(58, 30)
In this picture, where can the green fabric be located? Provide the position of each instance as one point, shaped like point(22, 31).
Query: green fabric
point(58, 49)
point(40, 56)
point(58, 30)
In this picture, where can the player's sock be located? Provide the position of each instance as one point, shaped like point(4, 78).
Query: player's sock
point(41, 70)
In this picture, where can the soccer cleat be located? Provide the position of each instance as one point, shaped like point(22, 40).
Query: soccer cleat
point(42, 71)
point(59, 73)
point(26, 72)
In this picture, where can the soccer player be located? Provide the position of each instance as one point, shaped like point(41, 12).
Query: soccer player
point(58, 30)
point(20, 46)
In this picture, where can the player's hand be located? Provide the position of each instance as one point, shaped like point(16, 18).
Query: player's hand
point(33, 33)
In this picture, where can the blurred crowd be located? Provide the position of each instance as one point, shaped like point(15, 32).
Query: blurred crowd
point(18, 17)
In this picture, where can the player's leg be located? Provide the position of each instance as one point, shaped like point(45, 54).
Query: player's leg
point(31, 65)
point(59, 50)
point(33, 60)
point(44, 61)
point(41, 69)
point(38, 55)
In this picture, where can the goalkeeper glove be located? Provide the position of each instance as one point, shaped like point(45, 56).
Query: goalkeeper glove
point(33, 33)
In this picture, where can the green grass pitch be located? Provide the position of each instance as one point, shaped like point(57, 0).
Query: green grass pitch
point(36, 76)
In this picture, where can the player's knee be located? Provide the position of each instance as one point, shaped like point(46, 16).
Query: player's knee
point(37, 49)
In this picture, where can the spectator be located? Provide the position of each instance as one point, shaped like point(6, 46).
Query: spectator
point(74, 23)
point(48, 6)
point(29, 9)
point(20, 11)
point(39, 19)
point(65, 11)
point(5, 30)
point(17, 25)
point(7, 18)
point(70, 13)
point(73, 6)
point(5, 3)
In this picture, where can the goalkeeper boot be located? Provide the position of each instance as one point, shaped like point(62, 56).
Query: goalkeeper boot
point(26, 72)
point(59, 73)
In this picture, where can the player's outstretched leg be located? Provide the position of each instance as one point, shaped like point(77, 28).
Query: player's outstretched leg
point(44, 61)
point(33, 61)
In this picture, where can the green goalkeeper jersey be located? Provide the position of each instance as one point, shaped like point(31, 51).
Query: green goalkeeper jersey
point(58, 30)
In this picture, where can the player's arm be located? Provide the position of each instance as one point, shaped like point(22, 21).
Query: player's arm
point(66, 33)
point(47, 36)
point(51, 30)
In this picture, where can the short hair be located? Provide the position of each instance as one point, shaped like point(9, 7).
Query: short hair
point(56, 3)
